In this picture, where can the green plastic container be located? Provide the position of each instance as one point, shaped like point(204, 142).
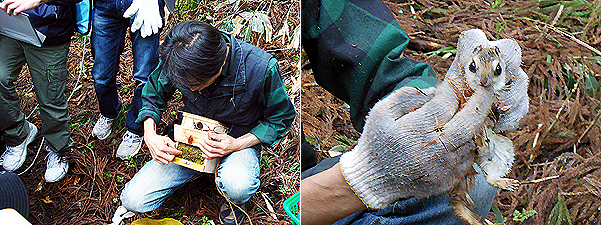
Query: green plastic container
point(292, 208)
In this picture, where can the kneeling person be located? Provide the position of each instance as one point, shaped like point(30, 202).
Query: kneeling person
point(222, 78)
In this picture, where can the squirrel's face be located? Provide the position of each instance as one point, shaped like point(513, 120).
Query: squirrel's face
point(486, 68)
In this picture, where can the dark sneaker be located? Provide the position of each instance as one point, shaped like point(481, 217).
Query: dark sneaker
point(227, 216)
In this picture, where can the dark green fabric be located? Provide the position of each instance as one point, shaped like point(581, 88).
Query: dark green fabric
point(48, 69)
point(354, 48)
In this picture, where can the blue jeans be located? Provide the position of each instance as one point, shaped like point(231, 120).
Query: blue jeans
point(108, 39)
point(237, 178)
point(432, 210)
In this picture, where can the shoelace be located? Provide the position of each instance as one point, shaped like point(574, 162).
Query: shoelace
point(132, 139)
point(104, 121)
point(53, 159)
point(9, 151)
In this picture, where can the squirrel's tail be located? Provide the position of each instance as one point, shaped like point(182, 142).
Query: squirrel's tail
point(463, 203)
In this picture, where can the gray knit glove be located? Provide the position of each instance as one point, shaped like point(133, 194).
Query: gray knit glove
point(421, 153)
point(420, 146)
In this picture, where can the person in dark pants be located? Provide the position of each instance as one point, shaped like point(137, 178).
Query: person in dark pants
point(111, 21)
point(48, 68)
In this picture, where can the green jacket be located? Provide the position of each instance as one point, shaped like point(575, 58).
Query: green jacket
point(354, 50)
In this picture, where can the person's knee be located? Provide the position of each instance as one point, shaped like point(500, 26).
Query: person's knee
point(133, 201)
point(5, 81)
point(239, 190)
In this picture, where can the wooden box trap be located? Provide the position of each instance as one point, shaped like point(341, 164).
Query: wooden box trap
point(188, 135)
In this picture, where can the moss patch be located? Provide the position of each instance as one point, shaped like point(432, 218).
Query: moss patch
point(190, 153)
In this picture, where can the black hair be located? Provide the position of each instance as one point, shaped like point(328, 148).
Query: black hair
point(193, 52)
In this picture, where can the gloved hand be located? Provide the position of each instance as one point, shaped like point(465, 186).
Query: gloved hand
point(146, 16)
point(120, 214)
point(422, 153)
point(428, 150)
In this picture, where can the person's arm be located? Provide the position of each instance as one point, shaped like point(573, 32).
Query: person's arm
point(14, 7)
point(330, 185)
point(155, 94)
point(278, 117)
point(279, 112)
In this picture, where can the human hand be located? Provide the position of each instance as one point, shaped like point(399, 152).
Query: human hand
point(415, 153)
point(146, 16)
point(14, 7)
point(218, 145)
point(161, 148)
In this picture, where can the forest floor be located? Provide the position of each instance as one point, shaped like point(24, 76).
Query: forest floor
point(89, 193)
point(558, 149)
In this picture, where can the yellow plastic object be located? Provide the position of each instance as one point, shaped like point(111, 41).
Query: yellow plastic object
point(148, 221)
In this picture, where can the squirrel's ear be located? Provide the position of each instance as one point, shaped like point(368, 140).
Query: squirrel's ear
point(477, 49)
point(510, 53)
point(468, 43)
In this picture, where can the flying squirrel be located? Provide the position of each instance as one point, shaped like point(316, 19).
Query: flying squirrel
point(494, 152)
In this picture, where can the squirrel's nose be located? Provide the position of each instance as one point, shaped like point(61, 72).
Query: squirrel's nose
point(484, 81)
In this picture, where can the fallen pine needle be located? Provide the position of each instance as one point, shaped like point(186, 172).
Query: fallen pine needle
point(271, 212)
point(539, 180)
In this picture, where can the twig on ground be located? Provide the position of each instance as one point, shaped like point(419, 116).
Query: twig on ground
point(557, 15)
point(269, 207)
point(539, 180)
point(586, 131)
point(566, 102)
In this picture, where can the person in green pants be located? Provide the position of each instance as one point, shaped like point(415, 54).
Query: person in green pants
point(48, 68)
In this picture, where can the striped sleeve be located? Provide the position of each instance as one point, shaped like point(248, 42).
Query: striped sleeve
point(279, 112)
point(155, 94)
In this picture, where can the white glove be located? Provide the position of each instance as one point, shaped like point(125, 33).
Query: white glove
point(146, 16)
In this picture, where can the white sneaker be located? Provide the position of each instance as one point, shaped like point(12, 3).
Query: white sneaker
point(120, 214)
point(102, 129)
point(130, 145)
point(56, 167)
point(14, 157)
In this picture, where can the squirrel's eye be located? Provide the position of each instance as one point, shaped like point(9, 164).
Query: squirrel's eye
point(498, 71)
point(473, 67)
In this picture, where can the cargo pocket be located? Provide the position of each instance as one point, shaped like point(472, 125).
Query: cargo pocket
point(57, 75)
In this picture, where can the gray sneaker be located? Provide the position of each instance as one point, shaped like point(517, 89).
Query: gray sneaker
point(130, 145)
point(14, 157)
point(102, 128)
point(56, 166)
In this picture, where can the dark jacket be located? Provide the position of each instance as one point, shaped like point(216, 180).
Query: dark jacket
point(249, 95)
point(55, 19)
point(358, 69)
point(233, 100)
